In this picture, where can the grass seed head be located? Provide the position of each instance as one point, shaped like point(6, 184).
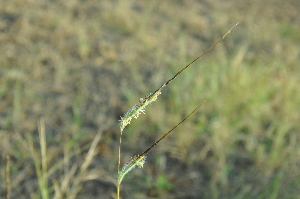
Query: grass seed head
point(136, 161)
point(138, 108)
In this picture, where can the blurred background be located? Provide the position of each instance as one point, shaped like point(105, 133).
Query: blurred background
point(70, 69)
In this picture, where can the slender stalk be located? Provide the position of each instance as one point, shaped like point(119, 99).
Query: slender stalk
point(183, 69)
point(7, 177)
point(153, 145)
point(119, 158)
point(119, 165)
point(118, 190)
point(43, 144)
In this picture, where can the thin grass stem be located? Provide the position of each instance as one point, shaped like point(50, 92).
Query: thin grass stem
point(183, 69)
point(7, 177)
point(153, 145)
point(43, 145)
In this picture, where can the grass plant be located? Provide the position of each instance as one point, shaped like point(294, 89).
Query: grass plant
point(70, 185)
point(140, 107)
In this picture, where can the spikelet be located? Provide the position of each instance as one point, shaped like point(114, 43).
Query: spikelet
point(138, 161)
point(138, 108)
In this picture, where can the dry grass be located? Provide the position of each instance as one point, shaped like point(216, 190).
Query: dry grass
point(81, 65)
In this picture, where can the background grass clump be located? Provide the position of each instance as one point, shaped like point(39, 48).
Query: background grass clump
point(77, 66)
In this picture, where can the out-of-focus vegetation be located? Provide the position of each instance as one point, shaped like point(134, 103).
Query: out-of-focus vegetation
point(70, 69)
